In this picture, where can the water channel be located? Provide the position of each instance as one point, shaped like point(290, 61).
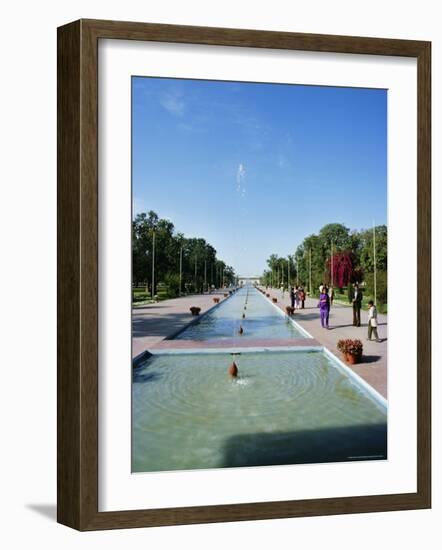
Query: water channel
point(285, 407)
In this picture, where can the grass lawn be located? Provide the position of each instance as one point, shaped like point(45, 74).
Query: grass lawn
point(139, 295)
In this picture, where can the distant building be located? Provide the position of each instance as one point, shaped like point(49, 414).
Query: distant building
point(248, 280)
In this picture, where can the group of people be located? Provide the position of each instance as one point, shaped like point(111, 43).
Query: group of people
point(297, 297)
point(326, 296)
point(355, 298)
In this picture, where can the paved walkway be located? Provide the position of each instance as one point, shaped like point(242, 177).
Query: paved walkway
point(373, 368)
point(154, 322)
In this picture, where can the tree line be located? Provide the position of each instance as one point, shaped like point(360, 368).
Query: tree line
point(194, 258)
point(334, 255)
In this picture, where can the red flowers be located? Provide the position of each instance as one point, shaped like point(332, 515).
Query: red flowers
point(352, 347)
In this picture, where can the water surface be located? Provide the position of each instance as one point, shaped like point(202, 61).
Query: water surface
point(262, 320)
point(285, 408)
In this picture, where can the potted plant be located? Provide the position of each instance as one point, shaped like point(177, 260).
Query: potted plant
point(290, 310)
point(274, 300)
point(268, 295)
point(351, 350)
point(225, 294)
point(216, 300)
point(195, 310)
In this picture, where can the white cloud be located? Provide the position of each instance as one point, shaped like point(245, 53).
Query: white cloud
point(240, 179)
point(173, 104)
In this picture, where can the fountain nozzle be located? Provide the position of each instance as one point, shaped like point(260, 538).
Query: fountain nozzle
point(233, 370)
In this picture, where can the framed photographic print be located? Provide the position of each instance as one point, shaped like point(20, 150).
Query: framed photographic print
point(243, 274)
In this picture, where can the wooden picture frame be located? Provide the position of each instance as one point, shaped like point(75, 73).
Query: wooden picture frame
point(78, 274)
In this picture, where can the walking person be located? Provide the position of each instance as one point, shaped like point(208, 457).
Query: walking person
point(297, 298)
point(373, 321)
point(356, 302)
point(302, 296)
point(324, 307)
point(292, 298)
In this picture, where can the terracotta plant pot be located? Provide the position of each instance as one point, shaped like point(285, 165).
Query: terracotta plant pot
point(351, 350)
point(274, 300)
point(195, 310)
point(268, 295)
point(290, 310)
point(225, 294)
point(352, 359)
point(216, 300)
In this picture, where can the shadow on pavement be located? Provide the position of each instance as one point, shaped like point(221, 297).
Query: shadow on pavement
point(332, 327)
point(306, 316)
point(159, 325)
point(370, 359)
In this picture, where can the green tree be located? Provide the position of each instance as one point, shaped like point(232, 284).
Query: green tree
point(312, 258)
point(337, 234)
point(311, 251)
point(272, 262)
point(199, 261)
point(142, 239)
point(367, 252)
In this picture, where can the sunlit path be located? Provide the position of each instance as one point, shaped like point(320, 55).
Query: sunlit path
point(154, 322)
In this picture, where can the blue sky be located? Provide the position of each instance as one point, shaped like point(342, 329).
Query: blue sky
point(255, 168)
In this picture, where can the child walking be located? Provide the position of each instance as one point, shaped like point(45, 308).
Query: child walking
point(373, 321)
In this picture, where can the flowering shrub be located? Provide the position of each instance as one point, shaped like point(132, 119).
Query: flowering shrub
point(195, 310)
point(343, 268)
point(353, 347)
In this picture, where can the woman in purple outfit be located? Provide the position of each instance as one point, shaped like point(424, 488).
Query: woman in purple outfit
point(324, 307)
